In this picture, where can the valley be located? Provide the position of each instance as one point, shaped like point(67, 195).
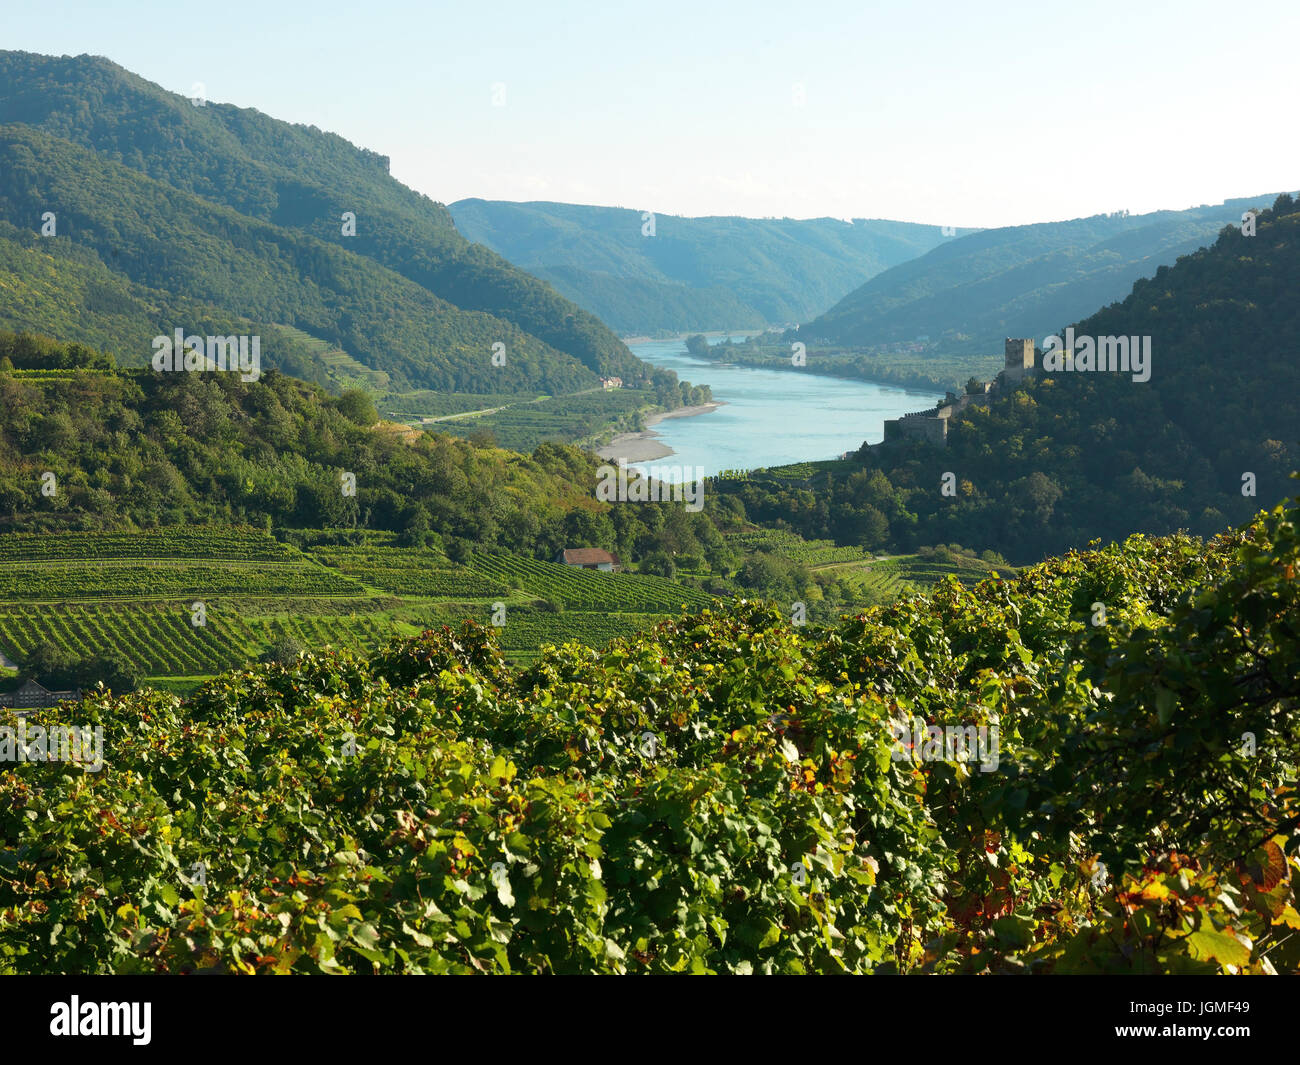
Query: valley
point(608, 572)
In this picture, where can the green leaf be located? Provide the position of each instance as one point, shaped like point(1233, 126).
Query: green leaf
point(1226, 948)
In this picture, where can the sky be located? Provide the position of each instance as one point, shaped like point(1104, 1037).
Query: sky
point(947, 113)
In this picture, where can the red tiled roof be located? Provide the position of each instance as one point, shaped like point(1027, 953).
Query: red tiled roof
point(588, 556)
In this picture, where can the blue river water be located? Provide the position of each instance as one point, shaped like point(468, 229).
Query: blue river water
point(771, 417)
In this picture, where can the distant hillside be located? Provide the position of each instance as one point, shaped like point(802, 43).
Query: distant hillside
point(693, 273)
point(250, 195)
point(968, 294)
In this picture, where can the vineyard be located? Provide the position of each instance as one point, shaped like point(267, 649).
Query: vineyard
point(412, 406)
point(58, 581)
point(161, 640)
point(340, 368)
point(588, 589)
point(215, 543)
point(726, 793)
point(886, 579)
point(523, 426)
point(794, 547)
point(801, 471)
point(411, 572)
point(527, 629)
point(133, 594)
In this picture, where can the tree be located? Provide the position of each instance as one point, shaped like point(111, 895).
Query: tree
point(357, 407)
point(697, 344)
point(49, 664)
point(112, 670)
point(660, 563)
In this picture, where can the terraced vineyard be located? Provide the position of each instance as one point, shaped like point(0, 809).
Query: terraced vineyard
point(114, 579)
point(410, 572)
point(160, 639)
point(886, 579)
point(211, 543)
point(132, 593)
point(801, 471)
point(402, 571)
point(589, 589)
point(339, 365)
point(526, 628)
point(791, 546)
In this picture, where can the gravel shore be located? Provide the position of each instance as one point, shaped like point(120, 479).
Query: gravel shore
point(646, 446)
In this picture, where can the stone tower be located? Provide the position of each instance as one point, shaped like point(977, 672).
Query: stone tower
point(1020, 353)
point(1020, 358)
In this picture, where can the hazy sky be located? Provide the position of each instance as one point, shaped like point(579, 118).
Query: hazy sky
point(952, 113)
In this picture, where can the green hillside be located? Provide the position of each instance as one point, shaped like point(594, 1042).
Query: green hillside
point(693, 273)
point(968, 294)
point(166, 239)
point(421, 301)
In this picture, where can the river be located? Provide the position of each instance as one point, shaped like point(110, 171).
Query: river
point(771, 417)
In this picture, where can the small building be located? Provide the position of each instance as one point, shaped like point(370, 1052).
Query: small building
point(589, 558)
point(31, 695)
point(611, 382)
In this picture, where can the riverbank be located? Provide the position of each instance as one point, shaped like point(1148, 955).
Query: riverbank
point(629, 341)
point(645, 445)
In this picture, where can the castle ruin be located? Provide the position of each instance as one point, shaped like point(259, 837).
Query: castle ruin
point(932, 424)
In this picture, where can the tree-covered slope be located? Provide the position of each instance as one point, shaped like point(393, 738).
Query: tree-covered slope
point(138, 448)
point(62, 289)
point(692, 273)
point(970, 293)
point(160, 237)
point(725, 794)
point(297, 178)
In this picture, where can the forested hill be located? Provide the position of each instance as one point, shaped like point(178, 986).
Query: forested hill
point(692, 273)
point(136, 448)
point(164, 166)
point(1075, 456)
point(970, 293)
